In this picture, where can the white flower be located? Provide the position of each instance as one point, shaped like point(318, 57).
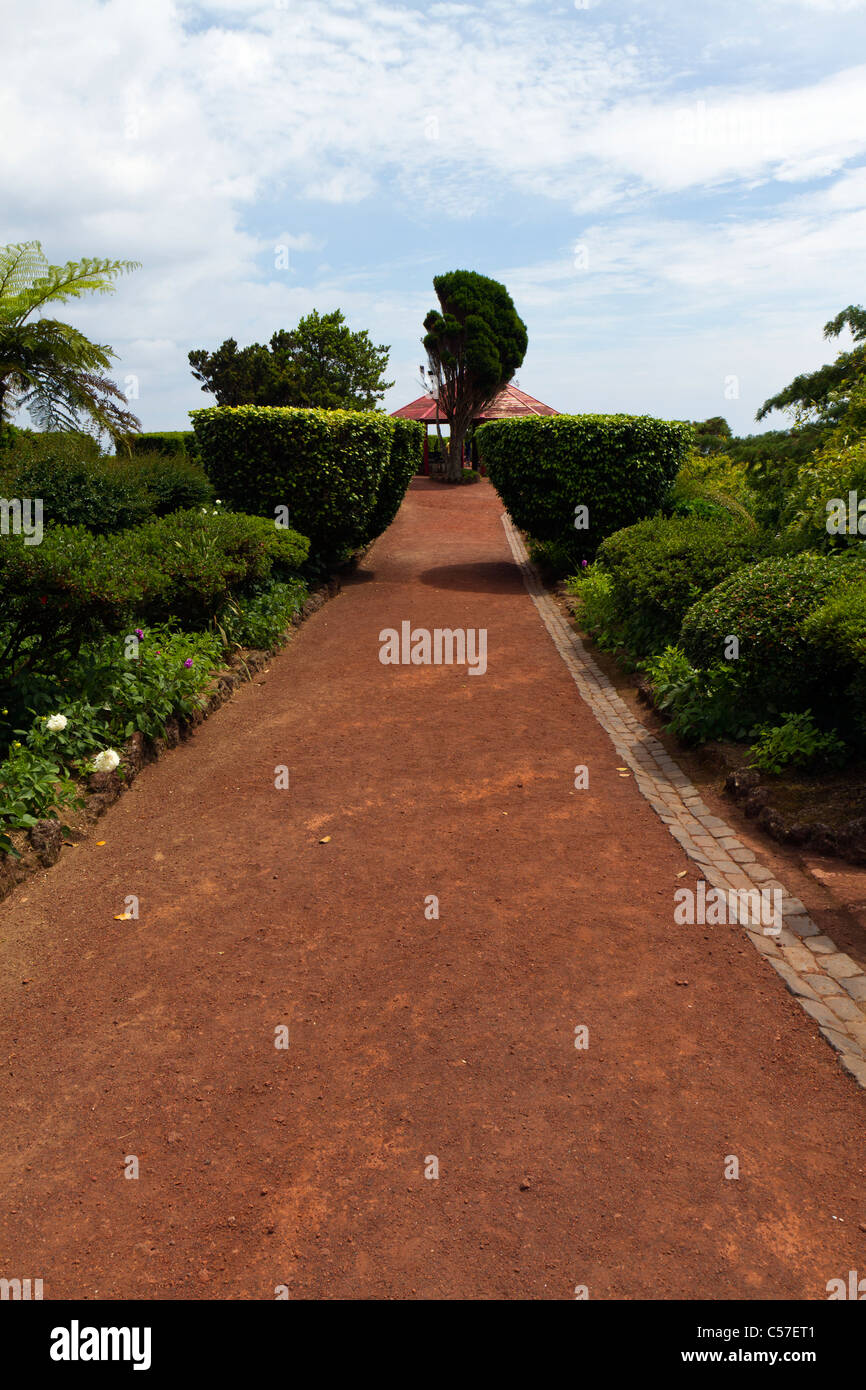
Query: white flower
point(56, 723)
point(106, 761)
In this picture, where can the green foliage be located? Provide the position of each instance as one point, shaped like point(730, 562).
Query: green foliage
point(711, 485)
point(795, 742)
point(261, 617)
point(620, 467)
point(326, 466)
point(470, 475)
point(822, 394)
point(320, 364)
point(47, 367)
point(765, 607)
point(76, 587)
point(701, 705)
point(32, 787)
point(596, 609)
point(80, 487)
point(475, 342)
point(172, 443)
point(836, 634)
point(771, 462)
point(836, 469)
point(116, 695)
point(711, 436)
point(404, 461)
point(660, 566)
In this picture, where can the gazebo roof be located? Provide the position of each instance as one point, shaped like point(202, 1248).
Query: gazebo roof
point(510, 402)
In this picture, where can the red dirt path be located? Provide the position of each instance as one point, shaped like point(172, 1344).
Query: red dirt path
point(408, 1037)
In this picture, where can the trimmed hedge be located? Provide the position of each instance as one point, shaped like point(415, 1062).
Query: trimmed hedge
point(659, 567)
point(620, 467)
point(171, 443)
point(324, 465)
point(766, 607)
point(405, 460)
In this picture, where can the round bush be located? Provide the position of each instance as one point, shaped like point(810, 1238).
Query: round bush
point(766, 607)
point(660, 566)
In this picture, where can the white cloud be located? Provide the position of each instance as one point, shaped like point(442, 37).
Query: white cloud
point(184, 136)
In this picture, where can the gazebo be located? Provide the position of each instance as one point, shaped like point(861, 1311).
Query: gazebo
point(508, 405)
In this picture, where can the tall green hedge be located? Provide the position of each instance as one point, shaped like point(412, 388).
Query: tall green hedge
point(326, 466)
point(405, 460)
point(620, 467)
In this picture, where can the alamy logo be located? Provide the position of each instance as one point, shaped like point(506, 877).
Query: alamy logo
point(856, 1288)
point(443, 646)
point(22, 516)
point(20, 1289)
point(76, 1343)
point(846, 519)
point(717, 907)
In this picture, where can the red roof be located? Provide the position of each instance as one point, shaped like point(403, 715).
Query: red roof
point(509, 403)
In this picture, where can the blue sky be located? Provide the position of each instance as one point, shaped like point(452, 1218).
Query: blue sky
point(675, 196)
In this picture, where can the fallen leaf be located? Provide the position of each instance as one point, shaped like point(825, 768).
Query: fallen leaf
point(100, 842)
point(682, 873)
point(622, 769)
point(325, 840)
point(123, 917)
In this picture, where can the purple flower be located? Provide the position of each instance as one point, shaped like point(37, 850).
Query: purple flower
point(584, 563)
point(138, 632)
point(188, 662)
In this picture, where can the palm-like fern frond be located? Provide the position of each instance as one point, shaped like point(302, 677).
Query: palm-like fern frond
point(49, 367)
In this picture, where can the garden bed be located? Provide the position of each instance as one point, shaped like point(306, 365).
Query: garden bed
point(824, 813)
point(40, 847)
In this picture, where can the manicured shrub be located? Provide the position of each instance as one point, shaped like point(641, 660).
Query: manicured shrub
point(169, 443)
point(56, 595)
point(404, 461)
point(194, 561)
point(765, 607)
point(325, 466)
point(68, 473)
point(836, 634)
point(659, 567)
point(619, 467)
point(171, 483)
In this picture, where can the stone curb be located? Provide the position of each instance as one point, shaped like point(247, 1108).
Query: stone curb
point(829, 986)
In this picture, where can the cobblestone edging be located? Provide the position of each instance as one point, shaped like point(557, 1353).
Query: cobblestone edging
point(829, 985)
